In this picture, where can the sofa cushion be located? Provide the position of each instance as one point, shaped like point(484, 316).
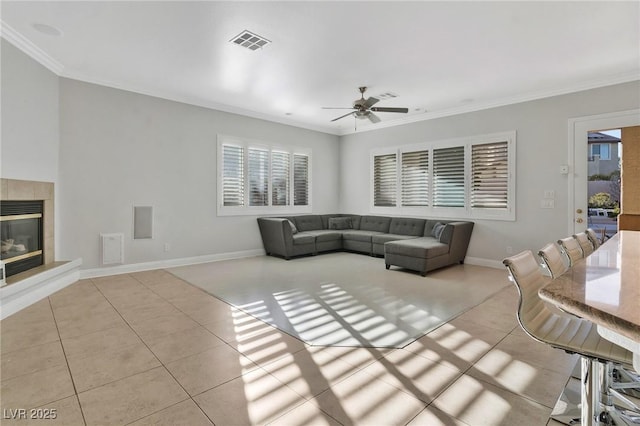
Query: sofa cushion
point(359, 235)
point(304, 238)
point(383, 238)
point(309, 222)
point(437, 230)
point(425, 247)
point(375, 223)
point(325, 235)
point(406, 226)
point(340, 223)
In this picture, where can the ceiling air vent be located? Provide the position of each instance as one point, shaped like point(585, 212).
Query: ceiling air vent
point(387, 95)
point(250, 40)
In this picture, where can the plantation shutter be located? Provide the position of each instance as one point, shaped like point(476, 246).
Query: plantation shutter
point(279, 178)
point(448, 177)
point(258, 177)
point(384, 180)
point(490, 176)
point(232, 175)
point(300, 180)
point(415, 178)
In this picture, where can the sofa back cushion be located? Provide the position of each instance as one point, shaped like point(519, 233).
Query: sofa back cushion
point(406, 226)
point(375, 223)
point(309, 222)
point(340, 223)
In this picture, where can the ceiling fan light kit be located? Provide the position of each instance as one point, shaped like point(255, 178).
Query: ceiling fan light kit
point(364, 108)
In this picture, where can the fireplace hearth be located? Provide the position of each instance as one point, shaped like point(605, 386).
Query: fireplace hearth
point(21, 235)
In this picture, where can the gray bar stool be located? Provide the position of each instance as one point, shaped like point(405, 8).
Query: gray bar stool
point(573, 335)
point(553, 259)
point(594, 238)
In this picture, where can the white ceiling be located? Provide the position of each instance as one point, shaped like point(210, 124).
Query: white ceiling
point(438, 57)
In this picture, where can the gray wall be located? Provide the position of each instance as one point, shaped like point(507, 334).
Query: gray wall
point(30, 141)
point(542, 146)
point(119, 149)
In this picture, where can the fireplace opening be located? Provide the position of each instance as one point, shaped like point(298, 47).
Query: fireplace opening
point(21, 234)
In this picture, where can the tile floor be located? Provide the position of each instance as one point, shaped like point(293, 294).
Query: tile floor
point(149, 348)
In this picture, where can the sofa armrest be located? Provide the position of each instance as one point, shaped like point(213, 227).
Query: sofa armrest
point(277, 237)
point(457, 235)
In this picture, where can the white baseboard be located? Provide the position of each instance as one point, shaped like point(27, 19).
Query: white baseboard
point(18, 296)
point(479, 261)
point(168, 263)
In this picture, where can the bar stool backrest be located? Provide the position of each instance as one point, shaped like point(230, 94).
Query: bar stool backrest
point(572, 249)
point(585, 243)
point(554, 259)
point(593, 237)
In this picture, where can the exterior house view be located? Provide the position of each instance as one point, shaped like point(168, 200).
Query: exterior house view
point(297, 213)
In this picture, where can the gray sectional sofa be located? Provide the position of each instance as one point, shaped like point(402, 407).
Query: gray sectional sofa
point(417, 244)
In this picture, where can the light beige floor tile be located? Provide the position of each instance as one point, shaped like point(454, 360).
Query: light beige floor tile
point(64, 412)
point(537, 354)
point(267, 345)
point(457, 343)
point(238, 326)
point(32, 359)
point(431, 416)
point(492, 314)
point(183, 343)
point(479, 403)
point(36, 313)
point(255, 398)
point(36, 389)
point(79, 293)
point(99, 341)
point(130, 299)
point(357, 357)
point(89, 321)
point(211, 311)
point(534, 382)
point(173, 289)
point(161, 326)
point(131, 398)
point(147, 310)
point(307, 414)
point(183, 413)
point(106, 367)
point(307, 374)
point(418, 376)
point(153, 277)
point(203, 371)
point(362, 399)
point(16, 335)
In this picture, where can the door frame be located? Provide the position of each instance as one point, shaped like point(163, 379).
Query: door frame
point(577, 155)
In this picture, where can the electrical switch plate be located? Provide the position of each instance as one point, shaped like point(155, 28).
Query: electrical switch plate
point(547, 203)
point(549, 193)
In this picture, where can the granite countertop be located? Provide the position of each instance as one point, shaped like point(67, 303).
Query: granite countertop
point(605, 287)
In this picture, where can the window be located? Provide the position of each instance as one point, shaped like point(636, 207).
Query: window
point(384, 172)
point(462, 178)
point(258, 178)
point(600, 150)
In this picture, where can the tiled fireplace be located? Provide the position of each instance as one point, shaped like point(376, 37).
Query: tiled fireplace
point(27, 229)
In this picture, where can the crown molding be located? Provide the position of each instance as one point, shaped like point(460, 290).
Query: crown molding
point(29, 48)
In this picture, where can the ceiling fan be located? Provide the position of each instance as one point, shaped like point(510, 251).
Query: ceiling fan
point(363, 108)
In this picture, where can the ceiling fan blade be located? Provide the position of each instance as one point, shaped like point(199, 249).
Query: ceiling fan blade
point(373, 118)
point(337, 107)
point(370, 102)
point(342, 116)
point(390, 109)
